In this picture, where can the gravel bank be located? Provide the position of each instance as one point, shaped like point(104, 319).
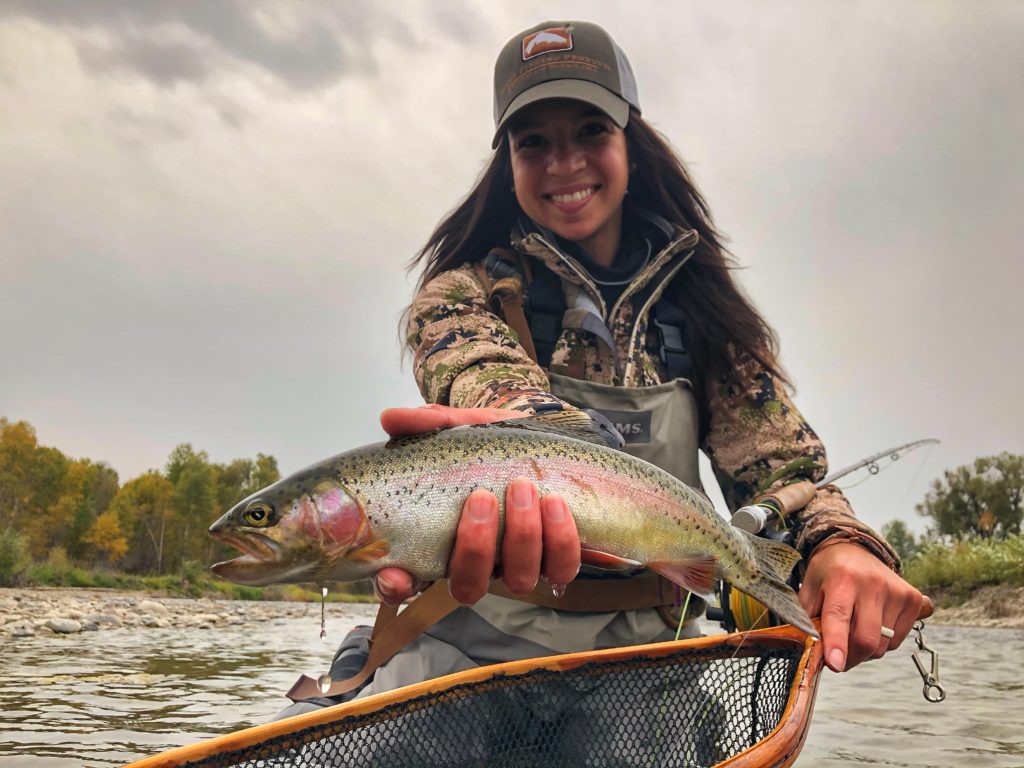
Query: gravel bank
point(30, 612)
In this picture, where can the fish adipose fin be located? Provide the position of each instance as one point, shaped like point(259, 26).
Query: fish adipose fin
point(574, 424)
point(696, 574)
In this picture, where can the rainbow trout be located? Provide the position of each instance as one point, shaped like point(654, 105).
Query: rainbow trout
point(398, 504)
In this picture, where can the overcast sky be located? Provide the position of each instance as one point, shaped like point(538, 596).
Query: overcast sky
point(206, 210)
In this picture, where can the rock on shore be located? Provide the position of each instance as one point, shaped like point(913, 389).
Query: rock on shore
point(30, 612)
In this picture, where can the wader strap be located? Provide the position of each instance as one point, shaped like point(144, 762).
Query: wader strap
point(647, 590)
point(509, 294)
point(393, 631)
point(670, 326)
point(545, 310)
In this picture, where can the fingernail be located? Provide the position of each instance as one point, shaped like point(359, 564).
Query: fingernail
point(554, 510)
point(385, 584)
point(522, 494)
point(480, 509)
point(837, 659)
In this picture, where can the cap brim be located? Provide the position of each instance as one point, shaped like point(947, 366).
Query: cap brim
point(579, 90)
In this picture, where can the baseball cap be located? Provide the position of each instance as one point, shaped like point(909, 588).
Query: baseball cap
point(563, 60)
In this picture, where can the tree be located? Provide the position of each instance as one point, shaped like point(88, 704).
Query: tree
point(145, 514)
point(985, 498)
point(31, 482)
point(88, 490)
point(106, 538)
point(194, 501)
point(901, 538)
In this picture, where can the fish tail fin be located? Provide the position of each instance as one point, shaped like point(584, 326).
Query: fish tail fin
point(775, 561)
point(782, 601)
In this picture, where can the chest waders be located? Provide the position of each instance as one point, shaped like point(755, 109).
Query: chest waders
point(597, 610)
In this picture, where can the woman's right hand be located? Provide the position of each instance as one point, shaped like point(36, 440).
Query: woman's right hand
point(540, 534)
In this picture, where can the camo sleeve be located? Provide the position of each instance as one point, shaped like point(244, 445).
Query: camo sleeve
point(466, 356)
point(758, 441)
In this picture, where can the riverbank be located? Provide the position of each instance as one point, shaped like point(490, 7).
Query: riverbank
point(993, 606)
point(27, 612)
point(30, 611)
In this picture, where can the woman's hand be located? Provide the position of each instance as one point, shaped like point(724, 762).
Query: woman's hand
point(540, 533)
point(856, 595)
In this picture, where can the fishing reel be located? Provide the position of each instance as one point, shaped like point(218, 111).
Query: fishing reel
point(739, 612)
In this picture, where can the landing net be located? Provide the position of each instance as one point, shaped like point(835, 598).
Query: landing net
point(734, 700)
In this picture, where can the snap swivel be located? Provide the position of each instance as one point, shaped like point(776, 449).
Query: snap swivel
point(933, 690)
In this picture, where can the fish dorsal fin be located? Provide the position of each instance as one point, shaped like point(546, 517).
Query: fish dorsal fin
point(575, 424)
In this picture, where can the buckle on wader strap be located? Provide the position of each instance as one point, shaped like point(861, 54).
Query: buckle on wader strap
point(669, 325)
point(394, 630)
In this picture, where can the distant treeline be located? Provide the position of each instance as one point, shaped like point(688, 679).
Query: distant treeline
point(75, 512)
point(53, 507)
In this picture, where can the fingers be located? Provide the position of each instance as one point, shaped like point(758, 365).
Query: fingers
point(472, 561)
point(836, 620)
point(540, 538)
point(521, 549)
point(398, 422)
point(901, 612)
point(561, 541)
point(857, 596)
point(394, 586)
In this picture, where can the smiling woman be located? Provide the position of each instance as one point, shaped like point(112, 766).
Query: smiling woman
point(583, 271)
point(570, 171)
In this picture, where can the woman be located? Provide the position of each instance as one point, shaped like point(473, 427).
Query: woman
point(632, 311)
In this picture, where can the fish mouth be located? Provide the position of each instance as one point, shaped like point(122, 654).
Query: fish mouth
point(252, 545)
point(258, 564)
point(261, 563)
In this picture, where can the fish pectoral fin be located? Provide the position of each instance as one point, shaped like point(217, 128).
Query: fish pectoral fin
point(595, 558)
point(372, 551)
point(697, 574)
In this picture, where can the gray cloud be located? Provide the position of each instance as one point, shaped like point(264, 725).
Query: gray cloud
point(306, 46)
point(163, 63)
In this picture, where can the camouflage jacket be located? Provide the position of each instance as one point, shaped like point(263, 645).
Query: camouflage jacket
point(467, 356)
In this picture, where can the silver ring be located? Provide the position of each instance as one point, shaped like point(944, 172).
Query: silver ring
point(886, 632)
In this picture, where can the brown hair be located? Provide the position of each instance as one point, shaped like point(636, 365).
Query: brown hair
point(718, 313)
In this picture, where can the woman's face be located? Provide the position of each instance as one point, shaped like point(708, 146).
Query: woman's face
point(571, 170)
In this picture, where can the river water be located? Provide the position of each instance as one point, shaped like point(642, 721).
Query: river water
point(105, 698)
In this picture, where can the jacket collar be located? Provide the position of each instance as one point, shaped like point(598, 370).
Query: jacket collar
point(541, 243)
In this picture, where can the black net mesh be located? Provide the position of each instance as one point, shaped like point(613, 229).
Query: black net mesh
point(691, 708)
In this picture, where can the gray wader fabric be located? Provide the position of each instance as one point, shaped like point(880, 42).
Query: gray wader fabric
point(659, 425)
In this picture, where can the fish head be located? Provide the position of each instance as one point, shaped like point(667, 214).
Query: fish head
point(300, 529)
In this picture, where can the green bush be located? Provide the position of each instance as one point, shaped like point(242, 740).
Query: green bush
point(964, 566)
point(13, 557)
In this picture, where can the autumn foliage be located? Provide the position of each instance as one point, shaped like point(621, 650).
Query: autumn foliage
point(153, 524)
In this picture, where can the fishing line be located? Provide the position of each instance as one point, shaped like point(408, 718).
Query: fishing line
point(664, 692)
point(917, 473)
point(714, 699)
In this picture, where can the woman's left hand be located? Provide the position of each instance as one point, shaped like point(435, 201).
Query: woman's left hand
point(856, 595)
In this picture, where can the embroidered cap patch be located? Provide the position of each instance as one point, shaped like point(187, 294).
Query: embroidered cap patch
point(547, 41)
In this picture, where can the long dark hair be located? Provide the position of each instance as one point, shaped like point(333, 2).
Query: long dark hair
point(718, 314)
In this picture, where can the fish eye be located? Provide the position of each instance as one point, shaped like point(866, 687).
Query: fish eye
point(258, 514)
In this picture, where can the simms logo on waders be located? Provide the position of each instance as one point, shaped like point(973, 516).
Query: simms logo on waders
point(634, 426)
